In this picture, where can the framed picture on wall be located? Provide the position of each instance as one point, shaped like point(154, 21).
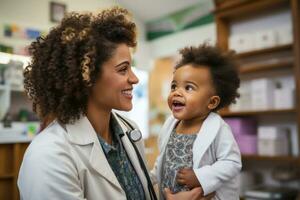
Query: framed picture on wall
point(57, 11)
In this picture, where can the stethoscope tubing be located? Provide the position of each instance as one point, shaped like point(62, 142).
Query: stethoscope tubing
point(141, 161)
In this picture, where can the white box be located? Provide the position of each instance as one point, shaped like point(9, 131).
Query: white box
point(284, 98)
point(265, 39)
point(262, 94)
point(236, 42)
point(284, 35)
point(245, 92)
point(273, 141)
point(236, 106)
point(242, 42)
point(233, 40)
point(244, 102)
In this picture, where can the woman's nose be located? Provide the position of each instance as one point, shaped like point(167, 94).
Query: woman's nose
point(133, 79)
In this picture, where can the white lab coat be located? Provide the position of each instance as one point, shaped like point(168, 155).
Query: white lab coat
point(66, 162)
point(216, 157)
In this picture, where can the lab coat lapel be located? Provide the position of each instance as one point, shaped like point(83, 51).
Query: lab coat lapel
point(133, 156)
point(81, 133)
point(128, 146)
point(205, 137)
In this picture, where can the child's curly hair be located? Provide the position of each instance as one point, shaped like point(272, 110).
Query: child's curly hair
point(222, 67)
point(67, 62)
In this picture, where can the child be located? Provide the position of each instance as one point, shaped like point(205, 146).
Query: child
point(197, 148)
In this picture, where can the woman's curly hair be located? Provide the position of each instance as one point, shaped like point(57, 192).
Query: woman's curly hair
point(67, 62)
point(222, 67)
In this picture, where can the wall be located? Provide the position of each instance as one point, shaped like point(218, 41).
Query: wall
point(169, 45)
point(35, 14)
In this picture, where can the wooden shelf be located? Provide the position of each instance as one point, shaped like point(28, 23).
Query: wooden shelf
point(6, 176)
point(287, 159)
point(251, 113)
point(237, 8)
point(265, 51)
point(222, 5)
point(230, 14)
point(265, 67)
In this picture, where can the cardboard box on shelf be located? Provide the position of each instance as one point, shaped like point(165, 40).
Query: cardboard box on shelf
point(262, 94)
point(284, 35)
point(244, 102)
point(265, 39)
point(284, 97)
point(241, 126)
point(241, 42)
point(247, 144)
point(273, 141)
point(244, 131)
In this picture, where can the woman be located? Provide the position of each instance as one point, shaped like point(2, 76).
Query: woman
point(79, 72)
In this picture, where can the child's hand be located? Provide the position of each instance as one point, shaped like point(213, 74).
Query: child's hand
point(186, 176)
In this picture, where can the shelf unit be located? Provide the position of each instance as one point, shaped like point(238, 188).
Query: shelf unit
point(226, 12)
point(226, 113)
point(11, 152)
point(11, 156)
point(278, 48)
point(263, 67)
point(281, 159)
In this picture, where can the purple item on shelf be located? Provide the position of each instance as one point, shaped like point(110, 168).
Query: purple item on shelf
point(242, 126)
point(247, 144)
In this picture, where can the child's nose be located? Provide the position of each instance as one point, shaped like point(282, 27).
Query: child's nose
point(177, 92)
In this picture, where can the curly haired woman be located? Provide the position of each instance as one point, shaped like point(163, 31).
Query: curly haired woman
point(79, 72)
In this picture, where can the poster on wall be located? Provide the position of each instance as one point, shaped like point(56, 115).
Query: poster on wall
point(57, 11)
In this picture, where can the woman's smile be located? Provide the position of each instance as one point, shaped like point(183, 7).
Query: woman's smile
point(127, 93)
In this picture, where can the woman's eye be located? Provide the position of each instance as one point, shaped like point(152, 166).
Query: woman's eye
point(189, 88)
point(123, 69)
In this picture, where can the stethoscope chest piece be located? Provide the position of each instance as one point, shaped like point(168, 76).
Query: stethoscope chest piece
point(135, 135)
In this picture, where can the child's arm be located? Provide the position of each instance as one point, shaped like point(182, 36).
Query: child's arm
point(228, 163)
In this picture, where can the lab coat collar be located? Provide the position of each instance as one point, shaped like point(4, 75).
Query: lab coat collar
point(206, 136)
point(82, 133)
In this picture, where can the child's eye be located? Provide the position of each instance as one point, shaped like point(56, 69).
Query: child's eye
point(189, 88)
point(173, 87)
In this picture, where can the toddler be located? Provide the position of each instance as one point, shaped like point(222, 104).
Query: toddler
point(197, 148)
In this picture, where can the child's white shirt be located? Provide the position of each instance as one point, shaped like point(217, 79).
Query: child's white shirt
point(216, 157)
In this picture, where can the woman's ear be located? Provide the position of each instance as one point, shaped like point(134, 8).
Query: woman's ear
point(213, 102)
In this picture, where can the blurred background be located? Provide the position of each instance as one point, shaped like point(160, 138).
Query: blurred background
point(265, 121)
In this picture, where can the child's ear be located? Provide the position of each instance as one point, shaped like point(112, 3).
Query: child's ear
point(214, 102)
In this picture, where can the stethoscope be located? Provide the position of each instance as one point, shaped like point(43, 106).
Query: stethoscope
point(135, 135)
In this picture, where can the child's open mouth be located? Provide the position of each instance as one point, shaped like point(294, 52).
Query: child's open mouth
point(177, 106)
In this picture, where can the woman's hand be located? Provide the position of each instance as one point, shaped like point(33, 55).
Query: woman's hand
point(194, 194)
